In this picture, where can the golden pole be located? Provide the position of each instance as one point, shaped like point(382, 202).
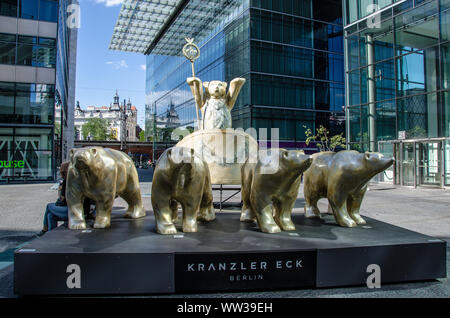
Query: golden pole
point(195, 99)
point(192, 52)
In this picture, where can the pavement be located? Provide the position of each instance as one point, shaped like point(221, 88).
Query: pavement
point(423, 210)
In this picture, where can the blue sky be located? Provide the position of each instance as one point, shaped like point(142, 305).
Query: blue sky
point(101, 71)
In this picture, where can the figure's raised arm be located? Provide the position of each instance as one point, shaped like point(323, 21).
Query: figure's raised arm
point(197, 90)
point(233, 92)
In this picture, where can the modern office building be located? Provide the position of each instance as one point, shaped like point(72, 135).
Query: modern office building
point(37, 70)
point(397, 80)
point(290, 52)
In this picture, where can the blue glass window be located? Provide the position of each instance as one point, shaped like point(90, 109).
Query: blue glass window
point(28, 9)
point(48, 10)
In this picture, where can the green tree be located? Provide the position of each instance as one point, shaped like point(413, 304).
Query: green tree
point(97, 128)
point(142, 135)
point(416, 132)
point(323, 139)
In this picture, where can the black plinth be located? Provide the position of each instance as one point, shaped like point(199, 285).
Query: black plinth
point(131, 258)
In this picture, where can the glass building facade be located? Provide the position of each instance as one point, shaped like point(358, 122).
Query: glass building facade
point(397, 85)
point(33, 67)
point(291, 54)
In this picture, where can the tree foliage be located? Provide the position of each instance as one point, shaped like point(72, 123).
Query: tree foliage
point(97, 129)
point(416, 132)
point(324, 141)
point(142, 136)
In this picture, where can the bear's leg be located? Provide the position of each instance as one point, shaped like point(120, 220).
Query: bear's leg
point(330, 209)
point(162, 207)
point(264, 214)
point(247, 214)
point(311, 209)
point(354, 204)
point(283, 213)
point(103, 212)
point(190, 212)
point(311, 197)
point(135, 207)
point(75, 205)
point(174, 207)
point(206, 212)
point(338, 203)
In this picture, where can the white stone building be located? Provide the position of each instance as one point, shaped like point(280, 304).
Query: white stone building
point(113, 115)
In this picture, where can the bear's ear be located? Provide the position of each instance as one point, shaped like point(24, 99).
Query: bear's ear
point(93, 151)
point(225, 84)
point(71, 153)
point(367, 155)
point(205, 84)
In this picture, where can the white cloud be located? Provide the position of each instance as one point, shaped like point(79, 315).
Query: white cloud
point(110, 3)
point(143, 67)
point(117, 64)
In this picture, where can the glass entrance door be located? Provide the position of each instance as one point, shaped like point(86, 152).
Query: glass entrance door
point(429, 163)
point(408, 164)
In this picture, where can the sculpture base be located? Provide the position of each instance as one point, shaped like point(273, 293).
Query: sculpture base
point(225, 255)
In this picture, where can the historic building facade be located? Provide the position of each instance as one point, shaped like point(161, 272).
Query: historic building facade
point(113, 114)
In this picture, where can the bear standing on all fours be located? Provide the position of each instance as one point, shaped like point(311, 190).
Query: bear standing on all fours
point(273, 181)
point(342, 178)
point(215, 103)
point(181, 177)
point(101, 174)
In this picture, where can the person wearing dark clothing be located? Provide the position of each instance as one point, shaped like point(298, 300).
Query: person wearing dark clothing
point(57, 211)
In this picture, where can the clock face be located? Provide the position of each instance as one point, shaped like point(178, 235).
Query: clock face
point(191, 51)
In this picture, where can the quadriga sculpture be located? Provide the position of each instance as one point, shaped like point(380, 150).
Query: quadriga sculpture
point(181, 177)
point(101, 174)
point(342, 178)
point(272, 181)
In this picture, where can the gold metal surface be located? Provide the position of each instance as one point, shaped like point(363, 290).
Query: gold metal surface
point(223, 150)
point(101, 174)
point(272, 184)
point(214, 102)
point(342, 178)
point(192, 52)
point(181, 177)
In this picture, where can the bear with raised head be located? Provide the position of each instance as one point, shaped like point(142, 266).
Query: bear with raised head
point(215, 102)
point(101, 174)
point(342, 178)
point(271, 183)
point(181, 177)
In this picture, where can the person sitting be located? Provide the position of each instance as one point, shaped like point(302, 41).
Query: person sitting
point(57, 211)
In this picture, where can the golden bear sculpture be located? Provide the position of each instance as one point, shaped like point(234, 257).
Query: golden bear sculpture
point(101, 174)
point(215, 102)
point(342, 178)
point(270, 182)
point(181, 177)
